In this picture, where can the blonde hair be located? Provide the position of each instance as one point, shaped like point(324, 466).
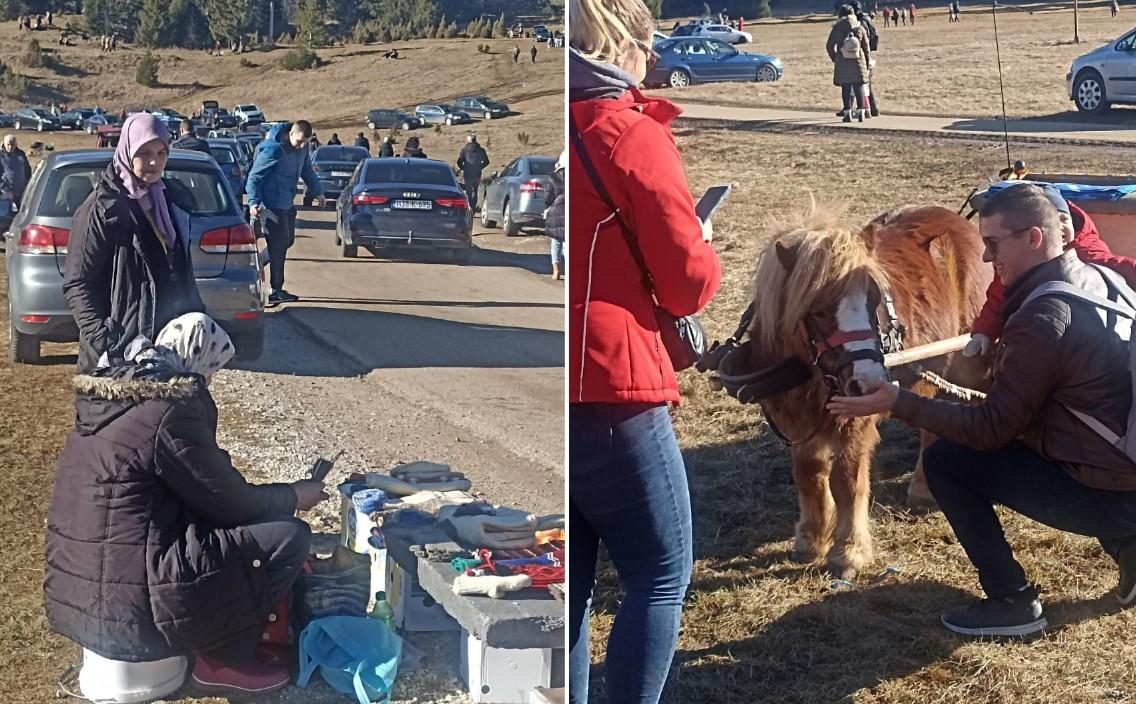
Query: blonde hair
point(602, 30)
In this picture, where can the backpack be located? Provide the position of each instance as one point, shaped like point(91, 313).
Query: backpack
point(850, 47)
point(873, 35)
point(1127, 309)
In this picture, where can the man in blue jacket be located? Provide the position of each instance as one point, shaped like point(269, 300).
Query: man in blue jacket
point(281, 160)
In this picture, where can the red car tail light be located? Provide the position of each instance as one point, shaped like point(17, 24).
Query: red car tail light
point(225, 240)
point(40, 239)
point(453, 203)
point(531, 187)
point(36, 318)
point(368, 199)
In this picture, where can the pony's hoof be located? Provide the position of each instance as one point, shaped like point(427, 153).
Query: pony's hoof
point(804, 556)
point(847, 572)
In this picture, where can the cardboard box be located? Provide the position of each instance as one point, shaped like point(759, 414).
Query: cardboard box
point(414, 609)
point(504, 676)
point(355, 527)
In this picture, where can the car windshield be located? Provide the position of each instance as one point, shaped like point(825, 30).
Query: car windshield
point(541, 167)
point(352, 154)
point(432, 174)
point(68, 186)
point(246, 108)
point(41, 112)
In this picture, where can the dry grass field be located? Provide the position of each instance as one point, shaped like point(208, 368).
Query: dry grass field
point(934, 67)
point(759, 628)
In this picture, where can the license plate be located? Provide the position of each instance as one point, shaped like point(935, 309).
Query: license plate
point(413, 204)
point(343, 174)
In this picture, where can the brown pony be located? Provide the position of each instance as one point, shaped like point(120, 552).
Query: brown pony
point(820, 294)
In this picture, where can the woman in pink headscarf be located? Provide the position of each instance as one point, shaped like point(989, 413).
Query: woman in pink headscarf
point(128, 267)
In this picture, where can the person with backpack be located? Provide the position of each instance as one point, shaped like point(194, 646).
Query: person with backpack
point(1079, 233)
point(472, 160)
point(850, 51)
point(554, 216)
point(1036, 445)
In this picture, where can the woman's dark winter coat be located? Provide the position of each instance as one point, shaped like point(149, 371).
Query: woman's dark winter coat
point(554, 201)
point(146, 556)
point(845, 70)
point(118, 281)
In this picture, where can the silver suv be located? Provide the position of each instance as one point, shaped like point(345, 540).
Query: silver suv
point(226, 262)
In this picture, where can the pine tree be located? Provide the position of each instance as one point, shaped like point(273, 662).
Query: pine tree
point(311, 23)
point(230, 20)
point(499, 27)
point(153, 23)
point(110, 17)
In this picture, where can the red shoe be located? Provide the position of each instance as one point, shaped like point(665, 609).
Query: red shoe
point(272, 654)
point(255, 677)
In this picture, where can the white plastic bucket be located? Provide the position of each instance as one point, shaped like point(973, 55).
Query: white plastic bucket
point(118, 682)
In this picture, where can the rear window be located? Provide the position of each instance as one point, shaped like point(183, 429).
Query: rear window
point(340, 154)
point(67, 187)
point(246, 108)
point(222, 155)
point(542, 167)
point(432, 174)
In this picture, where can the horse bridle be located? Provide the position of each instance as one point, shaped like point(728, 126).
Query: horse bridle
point(755, 386)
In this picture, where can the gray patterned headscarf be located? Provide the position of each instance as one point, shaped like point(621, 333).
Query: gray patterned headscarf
point(192, 343)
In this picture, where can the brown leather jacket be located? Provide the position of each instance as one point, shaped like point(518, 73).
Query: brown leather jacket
point(1054, 353)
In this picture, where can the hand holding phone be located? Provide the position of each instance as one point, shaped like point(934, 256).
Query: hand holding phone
point(710, 201)
point(322, 467)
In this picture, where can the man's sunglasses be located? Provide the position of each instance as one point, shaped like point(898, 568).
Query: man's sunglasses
point(993, 242)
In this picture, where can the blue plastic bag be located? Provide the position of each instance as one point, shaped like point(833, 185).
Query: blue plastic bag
point(354, 655)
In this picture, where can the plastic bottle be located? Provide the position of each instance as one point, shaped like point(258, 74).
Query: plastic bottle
point(382, 610)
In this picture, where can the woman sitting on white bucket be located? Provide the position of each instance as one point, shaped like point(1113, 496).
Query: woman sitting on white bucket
point(157, 547)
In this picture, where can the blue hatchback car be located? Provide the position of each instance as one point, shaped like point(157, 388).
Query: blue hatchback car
point(684, 61)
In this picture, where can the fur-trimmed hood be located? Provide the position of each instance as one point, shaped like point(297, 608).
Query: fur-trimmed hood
point(102, 399)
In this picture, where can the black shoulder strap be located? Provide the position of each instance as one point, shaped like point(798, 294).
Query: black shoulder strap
point(636, 254)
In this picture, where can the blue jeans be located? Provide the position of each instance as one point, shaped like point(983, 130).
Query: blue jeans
point(967, 483)
point(627, 488)
point(557, 251)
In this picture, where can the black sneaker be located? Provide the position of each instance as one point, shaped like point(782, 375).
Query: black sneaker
point(1126, 589)
point(282, 296)
point(1018, 615)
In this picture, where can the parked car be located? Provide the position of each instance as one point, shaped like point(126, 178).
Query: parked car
point(248, 114)
point(7, 119)
point(94, 122)
point(657, 37)
point(686, 61)
point(515, 197)
point(722, 32)
point(230, 158)
point(441, 114)
point(35, 119)
point(76, 119)
point(334, 167)
point(480, 105)
point(412, 203)
point(1104, 76)
point(540, 33)
point(223, 249)
point(215, 116)
point(385, 119)
point(165, 113)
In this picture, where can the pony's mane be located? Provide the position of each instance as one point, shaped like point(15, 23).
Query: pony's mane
point(831, 259)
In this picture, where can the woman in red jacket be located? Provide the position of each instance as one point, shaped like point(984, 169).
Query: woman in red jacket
point(627, 482)
point(1080, 233)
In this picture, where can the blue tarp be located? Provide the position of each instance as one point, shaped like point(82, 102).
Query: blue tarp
point(1074, 191)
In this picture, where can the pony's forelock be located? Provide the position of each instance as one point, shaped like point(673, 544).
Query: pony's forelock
point(828, 253)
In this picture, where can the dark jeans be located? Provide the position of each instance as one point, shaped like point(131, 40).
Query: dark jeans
point(850, 95)
point(472, 182)
point(287, 544)
point(967, 483)
point(279, 228)
point(627, 488)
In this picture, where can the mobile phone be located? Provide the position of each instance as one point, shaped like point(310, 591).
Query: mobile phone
point(322, 467)
point(710, 202)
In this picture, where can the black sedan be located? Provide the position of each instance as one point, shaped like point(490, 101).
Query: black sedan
point(76, 119)
point(405, 203)
point(334, 167)
point(94, 122)
point(35, 119)
point(220, 117)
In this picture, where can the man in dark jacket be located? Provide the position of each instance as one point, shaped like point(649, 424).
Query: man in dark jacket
point(554, 215)
point(156, 546)
point(471, 162)
point(1061, 366)
point(361, 141)
point(124, 276)
point(188, 140)
point(15, 171)
point(282, 159)
point(387, 147)
point(334, 141)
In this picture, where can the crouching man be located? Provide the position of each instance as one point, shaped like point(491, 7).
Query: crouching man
point(156, 546)
point(1061, 366)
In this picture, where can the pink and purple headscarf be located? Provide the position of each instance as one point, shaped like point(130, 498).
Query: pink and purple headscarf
point(139, 129)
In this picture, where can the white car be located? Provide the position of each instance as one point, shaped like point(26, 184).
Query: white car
point(722, 32)
point(1104, 76)
point(248, 114)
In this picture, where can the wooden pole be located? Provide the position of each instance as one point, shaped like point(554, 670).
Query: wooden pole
point(927, 351)
point(1076, 24)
